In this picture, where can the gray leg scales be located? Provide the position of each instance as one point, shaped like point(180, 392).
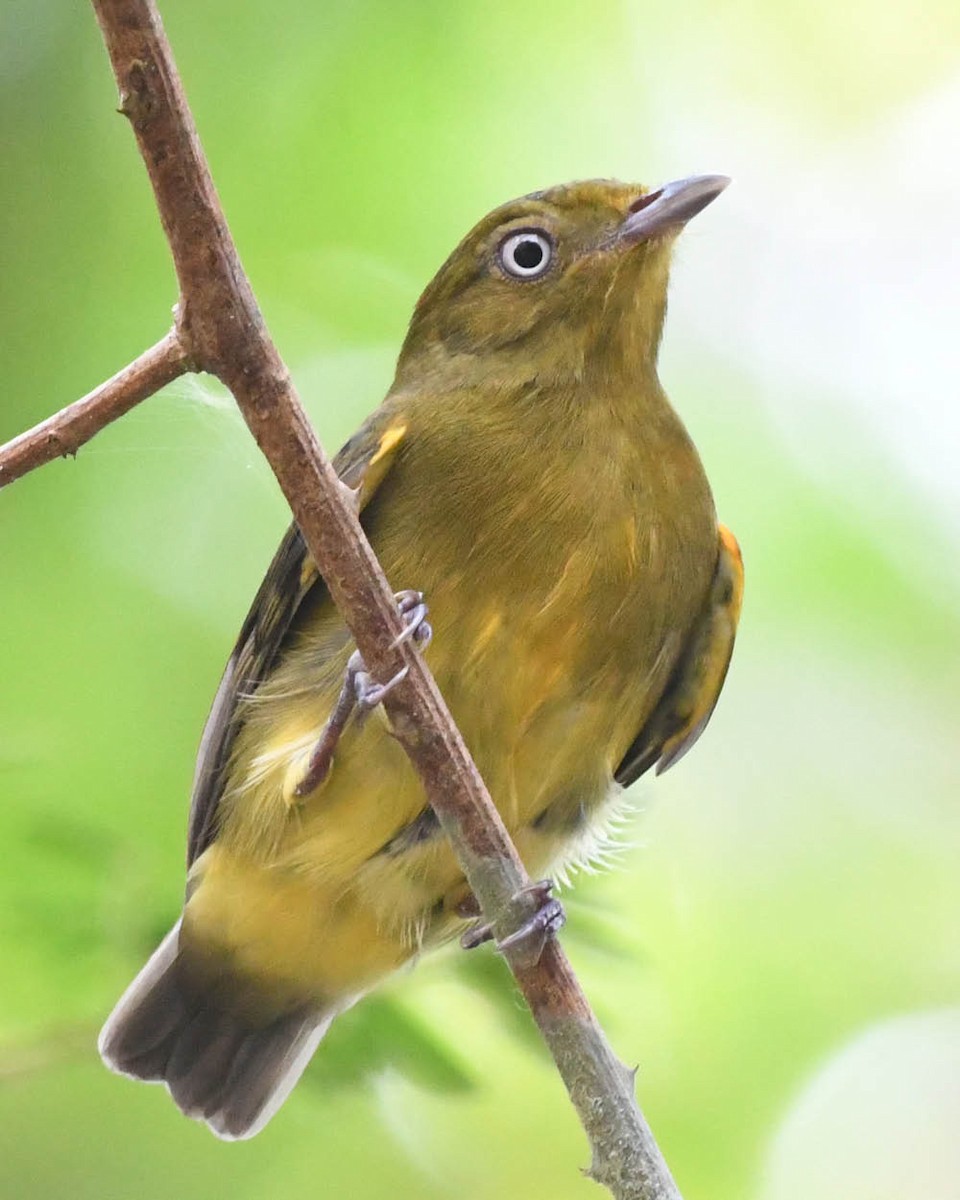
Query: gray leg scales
point(361, 693)
point(532, 935)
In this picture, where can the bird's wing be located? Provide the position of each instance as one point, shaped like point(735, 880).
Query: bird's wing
point(362, 464)
point(690, 697)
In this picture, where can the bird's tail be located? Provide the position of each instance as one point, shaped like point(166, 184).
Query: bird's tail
point(217, 1067)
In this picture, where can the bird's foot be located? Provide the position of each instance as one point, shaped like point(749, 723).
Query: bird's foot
point(361, 692)
point(413, 609)
point(366, 691)
point(532, 935)
point(545, 922)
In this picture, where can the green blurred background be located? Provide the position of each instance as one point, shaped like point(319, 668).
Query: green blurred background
point(778, 947)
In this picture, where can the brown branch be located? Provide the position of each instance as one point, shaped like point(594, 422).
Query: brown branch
point(66, 431)
point(221, 330)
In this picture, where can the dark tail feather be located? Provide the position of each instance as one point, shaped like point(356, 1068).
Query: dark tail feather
point(217, 1068)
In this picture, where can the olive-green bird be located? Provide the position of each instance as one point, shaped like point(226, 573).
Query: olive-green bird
point(527, 472)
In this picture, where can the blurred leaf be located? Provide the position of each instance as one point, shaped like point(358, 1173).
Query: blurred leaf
point(487, 972)
point(382, 1032)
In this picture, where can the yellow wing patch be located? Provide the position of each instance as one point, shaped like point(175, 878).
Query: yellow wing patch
point(308, 573)
point(364, 477)
point(381, 461)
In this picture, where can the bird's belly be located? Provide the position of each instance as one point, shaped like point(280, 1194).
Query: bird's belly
point(548, 679)
point(548, 682)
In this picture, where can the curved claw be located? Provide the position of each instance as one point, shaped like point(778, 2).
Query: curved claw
point(545, 922)
point(370, 694)
point(413, 609)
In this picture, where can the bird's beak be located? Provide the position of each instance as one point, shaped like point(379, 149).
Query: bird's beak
point(670, 207)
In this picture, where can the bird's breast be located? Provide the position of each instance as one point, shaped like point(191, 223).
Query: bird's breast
point(559, 601)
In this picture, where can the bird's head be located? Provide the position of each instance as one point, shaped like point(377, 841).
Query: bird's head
point(567, 282)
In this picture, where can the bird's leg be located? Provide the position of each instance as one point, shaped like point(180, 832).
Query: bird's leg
point(321, 757)
point(546, 920)
point(361, 692)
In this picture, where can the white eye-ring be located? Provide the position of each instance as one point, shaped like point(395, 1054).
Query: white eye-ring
point(526, 255)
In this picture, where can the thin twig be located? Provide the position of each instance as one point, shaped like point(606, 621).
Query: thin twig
point(221, 330)
point(66, 431)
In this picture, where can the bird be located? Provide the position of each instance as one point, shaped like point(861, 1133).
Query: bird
point(546, 519)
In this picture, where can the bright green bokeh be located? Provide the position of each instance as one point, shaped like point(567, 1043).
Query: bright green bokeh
point(793, 886)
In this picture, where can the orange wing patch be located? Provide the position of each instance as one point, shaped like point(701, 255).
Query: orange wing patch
point(691, 696)
point(712, 649)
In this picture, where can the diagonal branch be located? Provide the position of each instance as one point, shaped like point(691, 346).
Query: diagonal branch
point(220, 330)
point(66, 431)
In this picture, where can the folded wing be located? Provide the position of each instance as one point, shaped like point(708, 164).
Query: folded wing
point(362, 464)
point(694, 688)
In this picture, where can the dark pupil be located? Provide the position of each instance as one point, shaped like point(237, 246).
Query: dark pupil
point(528, 254)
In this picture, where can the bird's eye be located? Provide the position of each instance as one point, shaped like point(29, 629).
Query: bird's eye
point(526, 255)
